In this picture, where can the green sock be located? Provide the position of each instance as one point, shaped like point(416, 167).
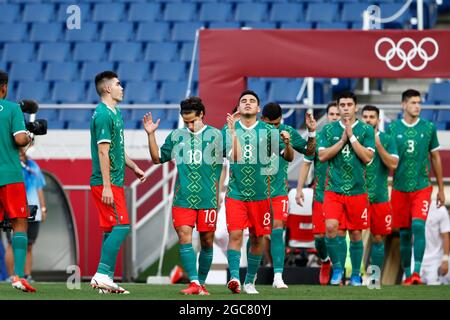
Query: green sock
point(342, 249)
point(333, 252)
point(253, 262)
point(405, 250)
point(111, 247)
point(277, 248)
point(321, 248)
point(418, 231)
point(19, 245)
point(356, 255)
point(189, 260)
point(204, 263)
point(234, 259)
point(113, 266)
point(377, 254)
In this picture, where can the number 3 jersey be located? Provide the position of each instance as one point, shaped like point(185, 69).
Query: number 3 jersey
point(414, 143)
point(199, 159)
point(346, 173)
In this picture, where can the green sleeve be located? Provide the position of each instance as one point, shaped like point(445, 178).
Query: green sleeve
point(103, 128)
point(391, 146)
point(18, 122)
point(324, 141)
point(434, 144)
point(225, 142)
point(297, 141)
point(166, 149)
point(369, 138)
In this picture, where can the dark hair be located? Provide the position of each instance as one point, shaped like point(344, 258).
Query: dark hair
point(406, 95)
point(347, 94)
point(192, 104)
point(3, 78)
point(331, 104)
point(234, 110)
point(253, 93)
point(101, 77)
point(370, 107)
point(272, 111)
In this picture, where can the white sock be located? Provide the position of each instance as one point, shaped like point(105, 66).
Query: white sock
point(196, 282)
point(278, 276)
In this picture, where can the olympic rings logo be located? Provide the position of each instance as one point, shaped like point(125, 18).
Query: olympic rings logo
point(406, 57)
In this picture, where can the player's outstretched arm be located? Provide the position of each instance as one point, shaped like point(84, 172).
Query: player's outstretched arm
point(437, 168)
point(103, 156)
point(303, 174)
point(133, 166)
point(288, 153)
point(388, 159)
point(150, 127)
point(311, 125)
point(236, 153)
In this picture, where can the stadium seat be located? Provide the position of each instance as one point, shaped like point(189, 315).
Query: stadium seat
point(286, 12)
point(143, 12)
point(76, 115)
point(53, 52)
point(260, 25)
point(56, 125)
point(129, 51)
point(78, 125)
point(90, 69)
point(170, 71)
point(48, 32)
point(439, 93)
point(164, 51)
point(284, 91)
point(153, 31)
point(48, 114)
point(259, 86)
point(38, 12)
point(186, 52)
point(10, 12)
point(441, 125)
point(322, 12)
point(296, 25)
point(85, 12)
point(18, 52)
point(180, 12)
point(88, 33)
point(353, 12)
point(389, 9)
point(443, 116)
point(185, 31)
point(428, 114)
point(173, 91)
point(332, 25)
point(25, 71)
point(92, 96)
point(141, 92)
point(130, 125)
point(69, 92)
point(173, 114)
point(138, 114)
point(251, 12)
point(12, 32)
point(215, 12)
point(224, 25)
point(116, 31)
point(133, 71)
point(61, 71)
point(108, 12)
point(38, 91)
point(93, 51)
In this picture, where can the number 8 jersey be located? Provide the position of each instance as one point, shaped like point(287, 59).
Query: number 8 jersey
point(414, 143)
point(346, 173)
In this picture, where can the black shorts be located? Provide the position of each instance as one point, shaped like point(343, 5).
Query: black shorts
point(32, 234)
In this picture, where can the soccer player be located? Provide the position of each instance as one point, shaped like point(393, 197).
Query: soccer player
point(108, 172)
point(247, 201)
point(348, 145)
point(272, 114)
point(13, 199)
point(416, 140)
point(380, 212)
point(318, 216)
point(197, 149)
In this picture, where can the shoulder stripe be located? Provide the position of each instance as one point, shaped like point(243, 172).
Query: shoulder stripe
point(20, 131)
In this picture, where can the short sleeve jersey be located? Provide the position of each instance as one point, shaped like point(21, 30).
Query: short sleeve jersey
point(107, 126)
point(414, 143)
point(346, 172)
point(320, 173)
point(11, 123)
point(198, 157)
point(377, 172)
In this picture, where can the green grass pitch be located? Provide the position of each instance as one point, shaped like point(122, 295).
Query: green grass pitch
point(59, 291)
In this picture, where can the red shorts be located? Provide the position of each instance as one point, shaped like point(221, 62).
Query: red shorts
point(318, 219)
point(255, 215)
point(205, 219)
point(114, 215)
point(280, 207)
point(380, 218)
point(410, 205)
point(13, 201)
point(353, 209)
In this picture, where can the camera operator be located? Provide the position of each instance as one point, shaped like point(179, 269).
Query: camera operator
point(13, 201)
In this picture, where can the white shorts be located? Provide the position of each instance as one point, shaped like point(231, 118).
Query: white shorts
point(430, 274)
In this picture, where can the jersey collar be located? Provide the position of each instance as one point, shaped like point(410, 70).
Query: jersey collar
point(353, 125)
point(249, 128)
point(410, 125)
point(110, 108)
point(198, 132)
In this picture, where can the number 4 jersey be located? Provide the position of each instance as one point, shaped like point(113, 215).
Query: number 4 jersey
point(346, 172)
point(414, 143)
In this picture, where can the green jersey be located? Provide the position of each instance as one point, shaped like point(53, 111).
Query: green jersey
point(199, 162)
point(250, 177)
point(377, 172)
point(107, 126)
point(346, 172)
point(414, 143)
point(320, 173)
point(11, 123)
point(279, 182)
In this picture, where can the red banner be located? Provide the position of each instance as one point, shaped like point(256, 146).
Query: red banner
point(227, 57)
